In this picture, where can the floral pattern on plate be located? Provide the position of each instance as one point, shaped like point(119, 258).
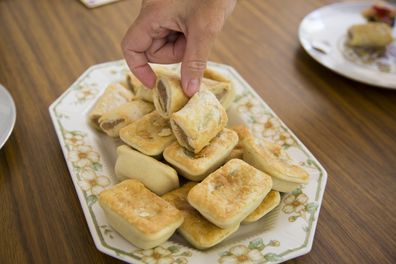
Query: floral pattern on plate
point(90, 156)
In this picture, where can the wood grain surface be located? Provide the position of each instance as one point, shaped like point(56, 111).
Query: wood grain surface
point(350, 127)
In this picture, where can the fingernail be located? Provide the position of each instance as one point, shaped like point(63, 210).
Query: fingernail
point(193, 87)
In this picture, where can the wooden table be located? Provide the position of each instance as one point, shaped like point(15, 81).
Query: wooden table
point(350, 127)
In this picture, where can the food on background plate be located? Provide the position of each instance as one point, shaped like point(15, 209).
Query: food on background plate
point(270, 201)
point(380, 12)
point(196, 167)
point(140, 216)
point(370, 35)
point(228, 195)
point(112, 121)
point(196, 229)
point(155, 175)
point(150, 135)
point(220, 86)
point(199, 121)
point(114, 95)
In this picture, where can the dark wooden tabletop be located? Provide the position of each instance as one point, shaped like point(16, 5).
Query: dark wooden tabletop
point(350, 127)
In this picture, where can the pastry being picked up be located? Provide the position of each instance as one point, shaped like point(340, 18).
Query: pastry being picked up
point(196, 167)
point(119, 117)
point(196, 229)
point(370, 35)
point(228, 195)
point(150, 135)
point(156, 176)
point(140, 216)
point(199, 121)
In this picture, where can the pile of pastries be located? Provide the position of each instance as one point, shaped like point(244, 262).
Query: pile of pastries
point(377, 32)
point(230, 177)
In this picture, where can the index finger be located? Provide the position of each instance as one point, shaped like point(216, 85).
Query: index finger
point(134, 45)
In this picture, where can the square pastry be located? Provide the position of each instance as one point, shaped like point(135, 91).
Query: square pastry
point(150, 134)
point(157, 176)
point(228, 195)
point(196, 229)
point(196, 167)
point(140, 216)
point(270, 201)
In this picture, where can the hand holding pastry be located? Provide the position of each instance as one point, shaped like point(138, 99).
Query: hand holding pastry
point(168, 31)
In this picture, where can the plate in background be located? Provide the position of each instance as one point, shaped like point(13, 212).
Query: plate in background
point(7, 115)
point(322, 33)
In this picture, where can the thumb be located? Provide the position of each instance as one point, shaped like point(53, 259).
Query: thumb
point(198, 46)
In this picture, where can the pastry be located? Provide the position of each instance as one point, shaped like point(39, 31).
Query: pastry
point(150, 134)
point(114, 95)
point(370, 35)
point(286, 177)
point(196, 167)
point(220, 86)
point(380, 12)
point(231, 193)
point(270, 201)
point(111, 122)
point(140, 91)
point(168, 95)
point(199, 121)
point(196, 229)
point(140, 216)
point(157, 176)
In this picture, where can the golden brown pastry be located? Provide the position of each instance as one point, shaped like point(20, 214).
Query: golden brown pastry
point(199, 121)
point(196, 229)
point(286, 177)
point(150, 135)
point(157, 176)
point(196, 167)
point(114, 95)
point(111, 122)
point(231, 193)
point(220, 86)
point(140, 216)
point(270, 201)
point(370, 35)
point(168, 95)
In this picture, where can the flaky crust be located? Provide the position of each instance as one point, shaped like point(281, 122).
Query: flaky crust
point(114, 95)
point(150, 135)
point(261, 157)
point(111, 122)
point(231, 193)
point(168, 95)
point(199, 121)
point(270, 201)
point(197, 166)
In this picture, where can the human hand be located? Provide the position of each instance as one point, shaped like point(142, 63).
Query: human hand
point(171, 31)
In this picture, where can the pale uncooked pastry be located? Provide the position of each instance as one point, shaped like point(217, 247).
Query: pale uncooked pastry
point(196, 229)
point(196, 167)
point(286, 177)
point(370, 35)
point(168, 95)
point(150, 135)
point(157, 176)
point(140, 216)
point(111, 122)
point(231, 193)
point(220, 86)
point(270, 201)
point(114, 95)
point(199, 121)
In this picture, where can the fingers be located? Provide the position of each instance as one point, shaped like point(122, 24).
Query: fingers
point(136, 41)
point(199, 43)
point(167, 50)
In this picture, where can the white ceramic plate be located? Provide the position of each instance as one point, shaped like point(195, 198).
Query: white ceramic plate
point(7, 115)
point(287, 232)
point(326, 28)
